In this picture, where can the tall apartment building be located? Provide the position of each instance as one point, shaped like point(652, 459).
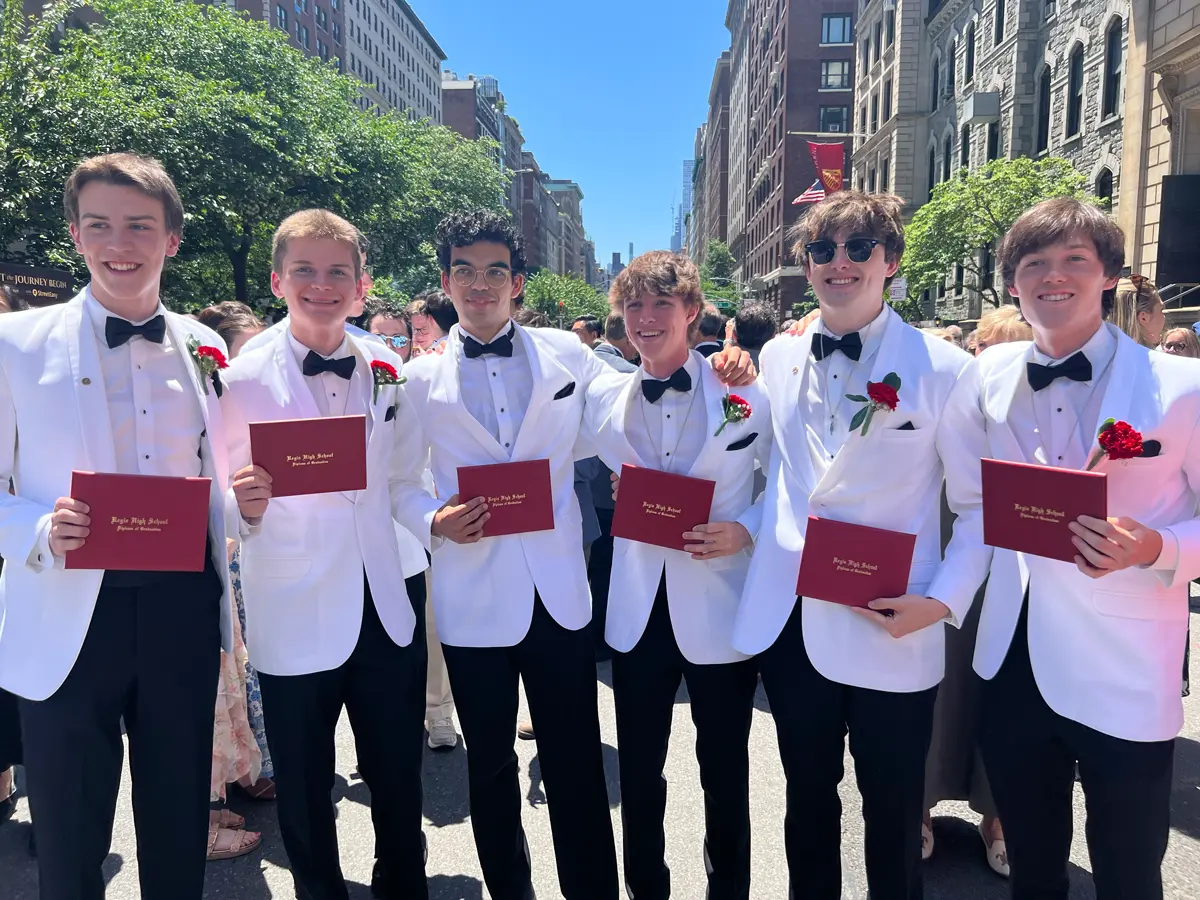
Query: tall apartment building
point(467, 110)
point(739, 133)
point(948, 84)
point(569, 197)
point(797, 61)
point(711, 202)
point(695, 225)
point(314, 27)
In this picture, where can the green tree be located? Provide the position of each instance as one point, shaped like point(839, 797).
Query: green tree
point(250, 129)
point(973, 211)
point(715, 276)
point(564, 297)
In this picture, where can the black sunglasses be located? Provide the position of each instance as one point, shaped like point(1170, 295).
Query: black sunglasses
point(858, 250)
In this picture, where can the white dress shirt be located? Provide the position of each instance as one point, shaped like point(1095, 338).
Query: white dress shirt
point(156, 418)
point(495, 389)
point(672, 431)
point(829, 380)
point(333, 394)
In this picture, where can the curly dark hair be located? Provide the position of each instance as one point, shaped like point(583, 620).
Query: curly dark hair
point(465, 229)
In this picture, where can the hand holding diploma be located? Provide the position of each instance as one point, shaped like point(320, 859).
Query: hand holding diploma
point(1109, 545)
point(717, 539)
point(69, 525)
point(252, 488)
point(909, 613)
point(461, 522)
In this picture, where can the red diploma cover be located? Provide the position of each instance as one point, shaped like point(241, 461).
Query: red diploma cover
point(656, 507)
point(853, 564)
point(517, 495)
point(1027, 507)
point(142, 523)
point(312, 456)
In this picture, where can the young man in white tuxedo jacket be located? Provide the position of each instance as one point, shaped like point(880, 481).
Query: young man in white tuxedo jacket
point(1082, 660)
point(828, 668)
point(108, 383)
point(331, 621)
point(671, 612)
point(515, 606)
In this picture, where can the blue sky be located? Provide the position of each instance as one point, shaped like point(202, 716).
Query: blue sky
point(608, 94)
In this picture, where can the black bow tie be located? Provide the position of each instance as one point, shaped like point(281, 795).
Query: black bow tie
point(653, 390)
point(1077, 368)
point(315, 364)
point(119, 331)
point(823, 345)
point(501, 346)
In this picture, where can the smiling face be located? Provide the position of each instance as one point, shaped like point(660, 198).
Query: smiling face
point(122, 236)
point(658, 327)
point(1061, 288)
point(848, 286)
point(317, 280)
point(482, 286)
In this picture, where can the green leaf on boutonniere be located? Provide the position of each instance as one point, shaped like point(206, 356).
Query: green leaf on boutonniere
point(857, 398)
point(1105, 425)
point(892, 380)
point(859, 418)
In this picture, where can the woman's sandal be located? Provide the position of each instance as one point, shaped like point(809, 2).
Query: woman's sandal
point(225, 818)
point(230, 843)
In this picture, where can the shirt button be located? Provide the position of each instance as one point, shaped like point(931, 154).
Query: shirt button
point(1060, 457)
point(668, 415)
point(1060, 409)
point(506, 443)
point(835, 376)
point(143, 412)
point(502, 409)
point(147, 456)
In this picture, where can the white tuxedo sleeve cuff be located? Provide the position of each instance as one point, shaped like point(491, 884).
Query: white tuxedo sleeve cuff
point(1168, 560)
point(751, 519)
point(40, 558)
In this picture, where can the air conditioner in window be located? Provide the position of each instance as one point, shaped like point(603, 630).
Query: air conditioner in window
point(889, 5)
point(834, 128)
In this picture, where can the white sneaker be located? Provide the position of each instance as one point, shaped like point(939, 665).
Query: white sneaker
point(442, 735)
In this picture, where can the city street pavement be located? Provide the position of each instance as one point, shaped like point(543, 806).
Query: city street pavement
point(956, 872)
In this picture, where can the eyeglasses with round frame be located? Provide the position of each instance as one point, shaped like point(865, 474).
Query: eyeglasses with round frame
point(493, 276)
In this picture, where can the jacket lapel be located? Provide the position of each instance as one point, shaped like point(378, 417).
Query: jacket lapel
point(1118, 393)
point(214, 426)
point(998, 400)
point(446, 391)
point(544, 386)
point(714, 393)
point(622, 408)
point(87, 379)
point(789, 377)
point(296, 390)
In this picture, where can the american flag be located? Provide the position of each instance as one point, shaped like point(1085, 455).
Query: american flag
point(814, 194)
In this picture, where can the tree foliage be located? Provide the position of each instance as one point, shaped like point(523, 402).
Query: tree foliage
point(250, 129)
point(564, 297)
point(974, 210)
point(716, 274)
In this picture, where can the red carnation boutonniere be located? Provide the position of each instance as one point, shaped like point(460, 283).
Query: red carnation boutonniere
point(209, 362)
point(882, 396)
point(736, 409)
point(1117, 440)
point(384, 374)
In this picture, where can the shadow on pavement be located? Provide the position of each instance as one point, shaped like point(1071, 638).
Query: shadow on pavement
point(612, 779)
point(455, 887)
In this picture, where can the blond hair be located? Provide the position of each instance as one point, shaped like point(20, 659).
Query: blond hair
point(320, 224)
point(659, 273)
point(1190, 341)
point(1134, 295)
point(1001, 326)
point(131, 170)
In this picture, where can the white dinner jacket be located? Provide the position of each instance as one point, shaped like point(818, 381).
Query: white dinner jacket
point(1105, 652)
point(483, 592)
point(302, 565)
point(889, 478)
point(702, 595)
point(54, 419)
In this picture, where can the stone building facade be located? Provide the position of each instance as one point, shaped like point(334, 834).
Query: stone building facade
point(944, 85)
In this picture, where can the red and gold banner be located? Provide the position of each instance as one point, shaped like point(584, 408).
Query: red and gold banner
point(830, 161)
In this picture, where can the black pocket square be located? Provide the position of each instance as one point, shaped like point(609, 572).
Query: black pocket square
point(743, 443)
point(565, 392)
point(390, 414)
point(217, 386)
point(907, 426)
point(1150, 449)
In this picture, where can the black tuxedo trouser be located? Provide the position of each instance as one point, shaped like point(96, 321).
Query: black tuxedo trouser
point(645, 683)
point(382, 687)
point(558, 669)
point(889, 740)
point(1031, 754)
point(152, 655)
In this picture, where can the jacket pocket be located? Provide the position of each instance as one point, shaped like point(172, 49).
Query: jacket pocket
point(268, 567)
point(1140, 606)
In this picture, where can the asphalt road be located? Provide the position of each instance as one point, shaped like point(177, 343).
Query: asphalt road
point(956, 872)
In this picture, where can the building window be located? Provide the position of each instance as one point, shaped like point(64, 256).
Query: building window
point(836, 30)
point(987, 267)
point(281, 17)
point(1104, 186)
point(1113, 70)
point(301, 6)
point(1075, 91)
point(947, 157)
point(322, 50)
point(932, 171)
point(337, 33)
point(304, 36)
point(969, 64)
point(958, 277)
point(865, 56)
point(835, 75)
point(835, 118)
point(891, 27)
point(993, 141)
point(862, 121)
point(874, 113)
point(878, 42)
point(1043, 122)
point(887, 100)
point(964, 147)
point(936, 86)
point(998, 23)
point(951, 65)
point(871, 182)
point(321, 17)
point(1050, 8)
point(884, 173)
